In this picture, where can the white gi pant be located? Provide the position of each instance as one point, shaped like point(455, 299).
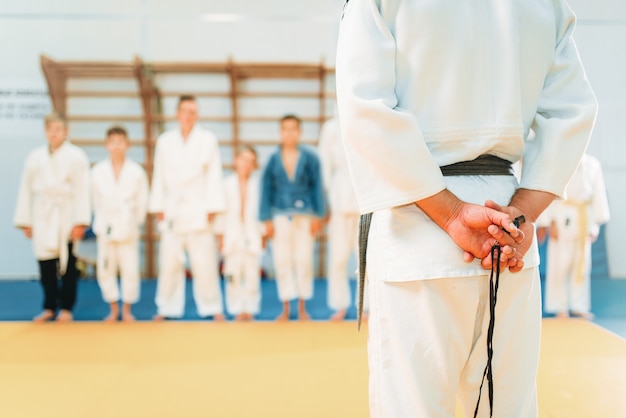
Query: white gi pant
point(122, 257)
point(564, 291)
point(202, 250)
point(427, 342)
point(343, 232)
point(292, 249)
point(243, 279)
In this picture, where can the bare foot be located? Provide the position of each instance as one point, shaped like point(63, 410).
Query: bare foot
point(584, 315)
point(219, 318)
point(303, 315)
point(128, 317)
point(339, 316)
point(127, 314)
point(112, 317)
point(241, 317)
point(249, 317)
point(561, 315)
point(283, 317)
point(65, 316)
point(159, 318)
point(45, 316)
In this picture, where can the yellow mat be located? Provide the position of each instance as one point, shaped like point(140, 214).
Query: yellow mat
point(182, 370)
point(256, 370)
point(582, 371)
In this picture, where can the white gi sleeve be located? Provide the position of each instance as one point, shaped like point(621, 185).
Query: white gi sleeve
point(214, 188)
point(599, 200)
point(221, 220)
point(389, 161)
point(156, 203)
point(24, 208)
point(142, 196)
point(326, 155)
point(93, 189)
point(81, 196)
point(565, 115)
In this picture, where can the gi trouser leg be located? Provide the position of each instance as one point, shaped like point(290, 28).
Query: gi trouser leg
point(69, 282)
point(342, 241)
point(427, 343)
point(49, 282)
point(207, 294)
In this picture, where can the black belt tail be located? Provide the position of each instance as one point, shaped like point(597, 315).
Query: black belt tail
point(364, 229)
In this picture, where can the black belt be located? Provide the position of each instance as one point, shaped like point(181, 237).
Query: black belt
point(484, 165)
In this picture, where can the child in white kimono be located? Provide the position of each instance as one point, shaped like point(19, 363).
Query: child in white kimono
point(344, 217)
point(241, 242)
point(119, 190)
point(53, 210)
point(187, 193)
point(574, 224)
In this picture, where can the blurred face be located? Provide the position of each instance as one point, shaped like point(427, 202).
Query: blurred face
point(117, 145)
point(187, 114)
point(245, 163)
point(290, 132)
point(56, 132)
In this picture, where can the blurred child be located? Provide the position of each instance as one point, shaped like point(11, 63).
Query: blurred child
point(343, 217)
point(573, 225)
point(242, 243)
point(119, 190)
point(53, 209)
point(186, 195)
point(292, 207)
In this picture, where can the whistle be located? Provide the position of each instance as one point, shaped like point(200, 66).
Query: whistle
point(517, 222)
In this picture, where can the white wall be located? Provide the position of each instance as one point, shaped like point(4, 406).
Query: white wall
point(601, 39)
point(163, 30)
point(156, 30)
point(250, 31)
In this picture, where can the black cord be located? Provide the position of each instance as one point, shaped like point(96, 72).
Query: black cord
point(364, 229)
point(493, 297)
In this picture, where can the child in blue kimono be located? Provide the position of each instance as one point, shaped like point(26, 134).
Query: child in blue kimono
point(292, 208)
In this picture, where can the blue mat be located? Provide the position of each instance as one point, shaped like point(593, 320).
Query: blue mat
point(21, 301)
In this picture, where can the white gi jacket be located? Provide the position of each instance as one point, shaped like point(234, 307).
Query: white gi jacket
point(585, 206)
point(335, 170)
point(241, 235)
point(420, 86)
point(187, 180)
point(119, 205)
point(53, 198)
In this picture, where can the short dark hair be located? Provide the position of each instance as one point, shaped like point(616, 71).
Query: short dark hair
point(291, 117)
point(186, 98)
point(117, 130)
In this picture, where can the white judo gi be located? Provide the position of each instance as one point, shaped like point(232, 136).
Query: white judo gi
point(242, 246)
point(186, 187)
point(422, 85)
point(120, 206)
point(344, 214)
point(53, 198)
point(577, 220)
